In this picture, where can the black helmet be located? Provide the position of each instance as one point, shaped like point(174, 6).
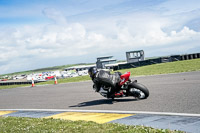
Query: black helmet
point(92, 71)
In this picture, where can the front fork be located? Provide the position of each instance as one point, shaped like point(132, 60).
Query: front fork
point(125, 87)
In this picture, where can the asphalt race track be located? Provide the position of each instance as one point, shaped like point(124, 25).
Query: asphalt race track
point(169, 94)
point(178, 93)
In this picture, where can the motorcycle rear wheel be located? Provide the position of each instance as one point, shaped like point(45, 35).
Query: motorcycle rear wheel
point(138, 90)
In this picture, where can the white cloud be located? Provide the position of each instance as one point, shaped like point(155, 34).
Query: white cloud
point(61, 39)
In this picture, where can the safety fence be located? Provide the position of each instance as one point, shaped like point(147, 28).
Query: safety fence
point(157, 61)
point(17, 83)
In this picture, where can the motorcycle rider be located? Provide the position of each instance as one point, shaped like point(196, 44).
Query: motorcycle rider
point(103, 77)
point(92, 71)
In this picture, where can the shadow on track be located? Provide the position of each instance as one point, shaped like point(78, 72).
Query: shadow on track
point(102, 101)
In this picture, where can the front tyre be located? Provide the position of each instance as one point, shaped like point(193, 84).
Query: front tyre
point(138, 90)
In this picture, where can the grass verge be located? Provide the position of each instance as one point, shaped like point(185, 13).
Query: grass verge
point(165, 68)
point(13, 86)
point(38, 125)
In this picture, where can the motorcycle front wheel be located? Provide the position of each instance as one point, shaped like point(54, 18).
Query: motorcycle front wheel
point(138, 90)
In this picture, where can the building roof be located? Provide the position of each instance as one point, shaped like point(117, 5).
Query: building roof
point(108, 60)
point(81, 66)
point(103, 57)
point(115, 64)
point(135, 51)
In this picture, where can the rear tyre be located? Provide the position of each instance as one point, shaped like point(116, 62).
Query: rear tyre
point(138, 90)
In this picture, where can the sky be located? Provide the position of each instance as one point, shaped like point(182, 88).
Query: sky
point(43, 33)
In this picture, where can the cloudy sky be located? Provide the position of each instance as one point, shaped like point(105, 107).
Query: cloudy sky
point(43, 33)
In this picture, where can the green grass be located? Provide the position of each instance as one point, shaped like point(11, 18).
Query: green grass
point(165, 68)
point(13, 86)
point(67, 80)
point(38, 125)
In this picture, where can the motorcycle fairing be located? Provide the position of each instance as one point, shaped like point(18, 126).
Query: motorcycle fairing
point(124, 78)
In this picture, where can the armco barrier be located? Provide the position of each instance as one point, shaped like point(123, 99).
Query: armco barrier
point(144, 62)
point(166, 59)
point(17, 83)
point(158, 60)
point(155, 61)
point(190, 56)
point(175, 57)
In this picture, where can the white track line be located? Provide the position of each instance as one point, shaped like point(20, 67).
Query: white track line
point(107, 111)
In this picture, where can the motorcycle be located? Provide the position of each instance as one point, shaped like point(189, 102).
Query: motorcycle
point(126, 88)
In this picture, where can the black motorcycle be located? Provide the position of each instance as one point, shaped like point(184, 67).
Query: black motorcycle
point(124, 88)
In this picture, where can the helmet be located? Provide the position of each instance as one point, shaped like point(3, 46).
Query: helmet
point(92, 71)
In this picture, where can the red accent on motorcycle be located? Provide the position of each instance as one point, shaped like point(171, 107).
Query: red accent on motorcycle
point(124, 78)
point(120, 94)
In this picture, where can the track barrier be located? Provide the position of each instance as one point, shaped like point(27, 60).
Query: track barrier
point(157, 61)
